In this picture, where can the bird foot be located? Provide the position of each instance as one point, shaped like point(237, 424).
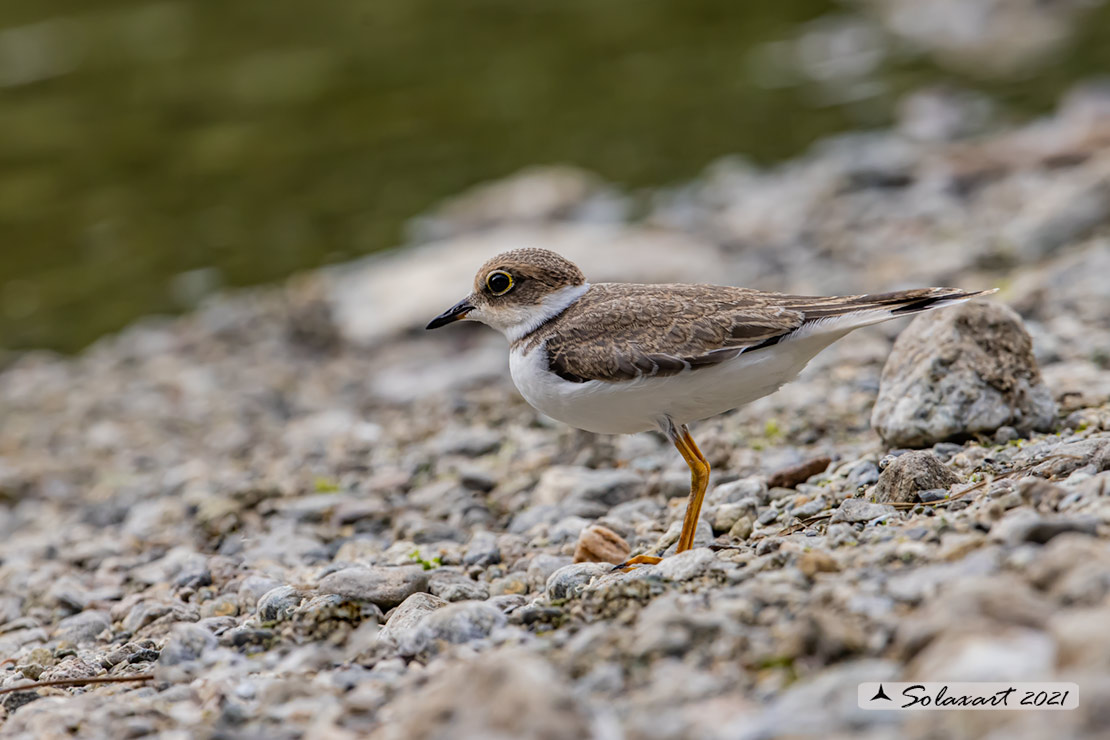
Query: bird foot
point(631, 563)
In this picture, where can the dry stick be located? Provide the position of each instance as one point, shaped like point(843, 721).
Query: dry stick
point(78, 682)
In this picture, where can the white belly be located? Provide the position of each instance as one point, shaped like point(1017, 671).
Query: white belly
point(627, 407)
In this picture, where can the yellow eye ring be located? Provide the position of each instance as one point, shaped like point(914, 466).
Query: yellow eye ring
point(499, 282)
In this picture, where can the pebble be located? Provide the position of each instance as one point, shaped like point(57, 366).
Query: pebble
point(453, 624)
point(278, 604)
point(599, 544)
point(454, 586)
point(857, 510)
point(742, 529)
point(84, 627)
point(382, 585)
point(570, 580)
point(908, 474)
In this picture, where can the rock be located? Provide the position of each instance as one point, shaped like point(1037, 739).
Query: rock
point(278, 604)
point(726, 516)
point(187, 643)
point(907, 474)
point(599, 544)
point(70, 669)
point(963, 370)
point(1003, 654)
point(607, 488)
point(253, 588)
point(506, 694)
point(737, 490)
point(800, 473)
point(482, 550)
point(454, 624)
point(472, 442)
point(569, 581)
point(1023, 525)
point(405, 618)
point(385, 586)
point(817, 561)
point(451, 585)
point(742, 529)
point(543, 564)
point(1087, 455)
point(853, 510)
point(83, 627)
point(685, 565)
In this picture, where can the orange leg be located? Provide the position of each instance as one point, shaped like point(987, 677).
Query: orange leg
point(699, 481)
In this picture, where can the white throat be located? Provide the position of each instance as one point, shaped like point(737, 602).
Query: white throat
point(549, 308)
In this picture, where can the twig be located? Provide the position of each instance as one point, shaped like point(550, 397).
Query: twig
point(78, 682)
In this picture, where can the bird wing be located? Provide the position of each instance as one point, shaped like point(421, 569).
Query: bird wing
point(620, 331)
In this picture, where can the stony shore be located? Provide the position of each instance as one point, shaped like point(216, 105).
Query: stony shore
point(307, 518)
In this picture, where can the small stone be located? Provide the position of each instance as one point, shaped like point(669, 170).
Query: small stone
point(964, 370)
point(505, 694)
point(853, 510)
point(1005, 434)
point(454, 624)
point(278, 604)
point(253, 588)
point(912, 472)
point(471, 442)
point(1027, 526)
point(571, 580)
point(405, 618)
point(726, 516)
point(543, 564)
point(82, 628)
point(599, 544)
point(510, 585)
point(800, 473)
point(817, 561)
point(768, 545)
point(932, 495)
point(742, 529)
point(606, 488)
point(482, 550)
point(187, 643)
point(734, 491)
point(806, 510)
point(769, 516)
point(385, 586)
point(685, 565)
point(451, 585)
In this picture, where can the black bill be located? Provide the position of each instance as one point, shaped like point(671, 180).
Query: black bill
point(456, 312)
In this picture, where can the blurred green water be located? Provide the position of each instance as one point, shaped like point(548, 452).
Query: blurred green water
point(143, 140)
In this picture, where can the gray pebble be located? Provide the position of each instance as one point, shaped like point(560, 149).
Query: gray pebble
point(278, 604)
point(382, 585)
point(857, 510)
point(570, 580)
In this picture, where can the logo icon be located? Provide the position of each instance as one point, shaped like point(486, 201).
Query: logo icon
point(880, 694)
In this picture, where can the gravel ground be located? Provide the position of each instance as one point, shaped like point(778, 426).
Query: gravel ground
point(305, 518)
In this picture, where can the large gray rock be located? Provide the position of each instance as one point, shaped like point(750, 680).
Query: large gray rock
point(964, 370)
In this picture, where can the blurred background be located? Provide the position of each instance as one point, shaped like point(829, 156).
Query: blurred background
point(154, 152)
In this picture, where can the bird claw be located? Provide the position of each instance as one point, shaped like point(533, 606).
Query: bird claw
point(631, 563)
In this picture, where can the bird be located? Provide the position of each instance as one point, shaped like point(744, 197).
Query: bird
point(623, 358)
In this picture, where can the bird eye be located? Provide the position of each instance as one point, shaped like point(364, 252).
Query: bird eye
point(499, 282)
